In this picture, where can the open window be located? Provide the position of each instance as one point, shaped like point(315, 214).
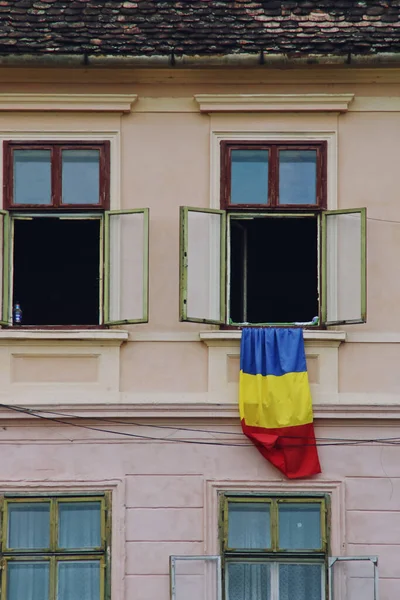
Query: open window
point(305, 269)
point(289, 261)
point(67, 259)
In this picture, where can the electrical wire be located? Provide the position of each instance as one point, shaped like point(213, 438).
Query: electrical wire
point(326, 441)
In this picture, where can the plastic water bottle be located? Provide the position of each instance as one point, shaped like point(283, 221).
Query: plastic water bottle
point(17, 314)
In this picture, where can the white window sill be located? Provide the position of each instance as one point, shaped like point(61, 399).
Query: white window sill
point(211, 338)
point(100, 336)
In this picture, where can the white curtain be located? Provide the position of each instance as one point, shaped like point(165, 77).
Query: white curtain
point(248, 581)
point(28, 525)
point(300, 582)
point(299, 526)
point(77, 580)
point(249, 525)
point(79, 525)
point(27, 580)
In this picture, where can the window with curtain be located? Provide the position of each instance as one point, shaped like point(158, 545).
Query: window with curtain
point(274, 548)
point(55, 547)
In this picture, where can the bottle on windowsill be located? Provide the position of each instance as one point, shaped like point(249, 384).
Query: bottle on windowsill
point(17, 314)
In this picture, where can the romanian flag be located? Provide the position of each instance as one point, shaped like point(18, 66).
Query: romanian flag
point(275, 401)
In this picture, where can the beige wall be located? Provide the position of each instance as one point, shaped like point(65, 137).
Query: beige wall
point(165, 162)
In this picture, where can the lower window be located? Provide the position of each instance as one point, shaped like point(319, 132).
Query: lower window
point(274, 548)
point(55, 547)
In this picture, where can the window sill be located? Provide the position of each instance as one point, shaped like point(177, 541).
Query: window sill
point(329, 337)
point(103, 336)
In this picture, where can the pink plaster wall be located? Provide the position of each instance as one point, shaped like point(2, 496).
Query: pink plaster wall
point(166, 508)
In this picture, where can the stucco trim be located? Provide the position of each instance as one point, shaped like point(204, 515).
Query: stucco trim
point(111, 336)
point(62, 486)
point(217, 412)
point(334, 488)
point(67, 102)
point(216, 338)
point(210, 103)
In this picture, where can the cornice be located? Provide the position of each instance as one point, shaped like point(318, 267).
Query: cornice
point(121, 103)
point(209, 103)
point(203, 411)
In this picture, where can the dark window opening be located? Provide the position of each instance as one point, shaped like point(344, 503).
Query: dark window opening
point(56, 271)
point(273, 270)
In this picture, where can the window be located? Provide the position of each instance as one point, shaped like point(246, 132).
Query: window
point(55, 547)
point(274, 548)
point(273, 254)
point(67, 259)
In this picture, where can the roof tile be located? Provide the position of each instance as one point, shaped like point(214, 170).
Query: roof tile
point(199, 27)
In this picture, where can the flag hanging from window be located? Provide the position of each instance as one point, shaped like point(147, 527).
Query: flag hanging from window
point(275, 400)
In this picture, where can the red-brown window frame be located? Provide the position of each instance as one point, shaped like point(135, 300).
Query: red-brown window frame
point(56, 148)
point(273, 148)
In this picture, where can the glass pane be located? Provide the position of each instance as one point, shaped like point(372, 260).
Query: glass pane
point(32, 176)
point(128, 249)
point(249, 177)
point(203, 261)
point(78, 579)
point(248, 581)
point(297, 177)
point(27, 580)
point(28, 525)
point(80, 176)
point(344, 267)
point(300, 582)
point(249, 525)
point(300, 526)
point(79, 524)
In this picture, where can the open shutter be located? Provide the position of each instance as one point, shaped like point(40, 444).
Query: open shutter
point(4, 267)
point(202, 265)
point(344, 266)
point(195, 577)
point(126, 266)
point(366, 581)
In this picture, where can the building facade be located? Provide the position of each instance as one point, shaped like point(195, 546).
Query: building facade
point(120, 430)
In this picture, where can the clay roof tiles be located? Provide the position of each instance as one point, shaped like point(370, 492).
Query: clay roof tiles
point(198, 27)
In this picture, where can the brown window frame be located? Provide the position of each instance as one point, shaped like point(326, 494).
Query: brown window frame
point(56, 148)
point(273, 148)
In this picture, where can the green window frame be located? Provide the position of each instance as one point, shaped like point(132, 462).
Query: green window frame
point(53, 555)
point(341, 283)
point(123, 266)
point(270, 511)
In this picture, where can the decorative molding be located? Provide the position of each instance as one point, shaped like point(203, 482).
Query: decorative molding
point(67, 102)
point(210, 103)
point(212, 411)
point(225, 337)
point(103, 336)
point(275, 486)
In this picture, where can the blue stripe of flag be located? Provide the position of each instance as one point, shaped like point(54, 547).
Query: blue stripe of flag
point(272, 351)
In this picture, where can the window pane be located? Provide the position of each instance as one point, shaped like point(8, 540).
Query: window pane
point(79, 525)
point(80, 176)
point(28, 525)
point(204, 231)
point(300, 582)
point(78, 579)
point(300, 526)
point(249, 177)
point(249, 525)
point(128, 252)
point(345, 267)
point(32, 177)
point(297, 177)
point(247, 581)
point(27, 580)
